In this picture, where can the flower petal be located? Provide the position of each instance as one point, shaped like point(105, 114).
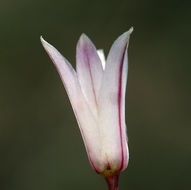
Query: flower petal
point(112, 103)
point(89, 70)
point(66, 72)
point(86, 121)
point(102, 57)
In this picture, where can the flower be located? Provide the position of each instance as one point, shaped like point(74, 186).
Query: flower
point(97, 94)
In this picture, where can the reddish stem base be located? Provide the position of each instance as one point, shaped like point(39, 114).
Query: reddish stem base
point(112, 182)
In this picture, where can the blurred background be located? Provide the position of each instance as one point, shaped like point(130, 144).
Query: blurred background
point(40, 143)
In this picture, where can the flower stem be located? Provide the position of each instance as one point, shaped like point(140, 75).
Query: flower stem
point(112, 182)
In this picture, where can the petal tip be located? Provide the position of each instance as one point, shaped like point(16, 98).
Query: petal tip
point(42, 39)
point(125, 36)
point(130, 30)
point(44, 43)
point(83, 38)
point(128, 33)
point(48, 47)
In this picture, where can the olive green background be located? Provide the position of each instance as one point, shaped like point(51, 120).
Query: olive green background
point(40, 144)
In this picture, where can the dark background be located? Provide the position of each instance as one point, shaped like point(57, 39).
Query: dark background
point(40, 144)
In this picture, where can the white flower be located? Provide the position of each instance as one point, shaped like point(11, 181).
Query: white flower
point(97, 93)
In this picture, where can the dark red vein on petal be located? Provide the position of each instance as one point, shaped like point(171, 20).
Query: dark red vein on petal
point(119, 106)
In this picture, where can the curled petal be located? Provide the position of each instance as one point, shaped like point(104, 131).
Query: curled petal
point(66, 72)
point(85, 118)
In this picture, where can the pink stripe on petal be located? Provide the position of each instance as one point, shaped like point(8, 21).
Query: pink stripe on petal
point(89, 70)
point(119, 107)
point(120, 110)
